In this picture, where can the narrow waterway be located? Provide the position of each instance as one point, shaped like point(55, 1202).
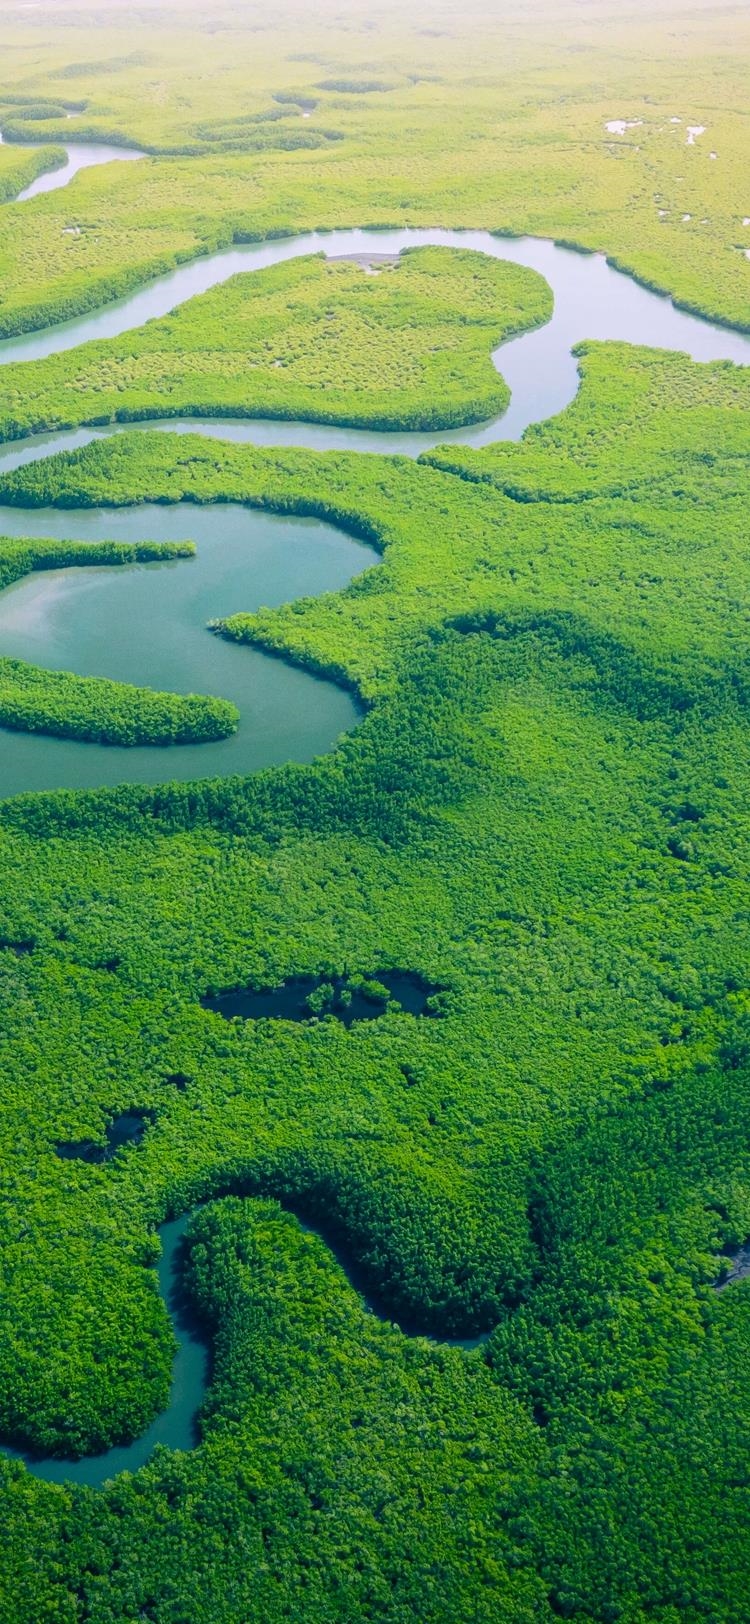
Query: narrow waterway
point(592, 301)
point(80, 155)
point(177, 1425)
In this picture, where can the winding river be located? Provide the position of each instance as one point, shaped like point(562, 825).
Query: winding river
point(177, 1425)
point(592, 301)
point(247, 558)
point(80, 155)
point(91, 621)
point(147, 624)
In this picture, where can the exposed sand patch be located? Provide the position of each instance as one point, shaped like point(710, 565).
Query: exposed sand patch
point(371, 264)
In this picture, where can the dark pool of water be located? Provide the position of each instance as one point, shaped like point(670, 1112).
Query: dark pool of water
point(126, 1129)
point(737, 1266)
point(299, 999)
point(20, 947)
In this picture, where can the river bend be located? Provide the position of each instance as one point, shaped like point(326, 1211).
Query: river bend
point(146, 624)
point(177, 1425)
point(79, 155)
point(592, 301)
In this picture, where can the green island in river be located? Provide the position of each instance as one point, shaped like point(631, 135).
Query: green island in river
point(375, 1144)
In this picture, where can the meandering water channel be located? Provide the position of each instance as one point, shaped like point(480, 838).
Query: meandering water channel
point(97, 621)
point(177, 1425)
point(147, 624)
point(90, 621)
point(592, 301)
point(79, 155)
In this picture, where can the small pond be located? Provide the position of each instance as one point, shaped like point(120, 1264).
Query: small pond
point(306, 998)
point(126, 1129)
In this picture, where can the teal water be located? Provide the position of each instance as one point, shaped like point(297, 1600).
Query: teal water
point(177, 1427)
point(146, 624)
point(80, 155)
point(592, 301)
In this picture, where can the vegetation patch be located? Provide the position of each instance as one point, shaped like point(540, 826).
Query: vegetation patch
point(355, 87)
point(34, 113)
point(264, 133)
point(308, 339)
point(33, 700)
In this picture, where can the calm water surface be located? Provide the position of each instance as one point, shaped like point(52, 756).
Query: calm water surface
point(592, 301)
point(80, 155)
point(146, 624)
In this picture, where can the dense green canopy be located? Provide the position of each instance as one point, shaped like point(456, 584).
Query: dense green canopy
point(542, 813)
point(469, 1265)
